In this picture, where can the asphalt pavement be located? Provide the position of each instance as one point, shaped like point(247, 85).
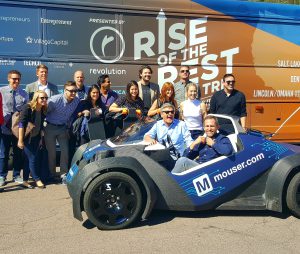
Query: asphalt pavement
point(41, 221)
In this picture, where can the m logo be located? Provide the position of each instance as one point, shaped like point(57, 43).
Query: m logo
point(202, 185)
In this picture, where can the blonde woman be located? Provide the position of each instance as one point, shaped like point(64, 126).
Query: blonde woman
point(193, 111)
point(34, 112)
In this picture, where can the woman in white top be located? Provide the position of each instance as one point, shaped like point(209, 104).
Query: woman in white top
point(193, 111)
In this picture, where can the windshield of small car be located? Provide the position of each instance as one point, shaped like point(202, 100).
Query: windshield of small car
point(134, 133)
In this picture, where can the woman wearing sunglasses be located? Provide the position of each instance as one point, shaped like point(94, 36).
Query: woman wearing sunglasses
point(193, 111)
point(32, 113)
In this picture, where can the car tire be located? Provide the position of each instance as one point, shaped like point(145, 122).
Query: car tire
point(293, 195)
point(113, 201)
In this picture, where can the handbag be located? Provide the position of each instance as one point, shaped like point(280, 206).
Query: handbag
point(15, 119)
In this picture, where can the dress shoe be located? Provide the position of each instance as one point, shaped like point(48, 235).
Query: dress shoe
point(40, 184)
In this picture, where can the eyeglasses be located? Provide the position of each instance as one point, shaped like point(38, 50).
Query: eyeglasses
point(229, 82)
point(15, 78)
point(169, 111)
point(182, 71)
point(72, 91)
point(43, 98)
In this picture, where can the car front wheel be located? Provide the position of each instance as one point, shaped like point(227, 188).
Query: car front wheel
point(293, 195)
point(113, 201)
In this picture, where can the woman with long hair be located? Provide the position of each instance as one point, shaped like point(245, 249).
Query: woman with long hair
point(93, 101)
point(32, 113)
point(193, 111)
point(130, 100)
point(167, 95)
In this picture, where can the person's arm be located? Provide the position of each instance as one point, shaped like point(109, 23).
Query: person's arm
point(1, 111)
point(203, 110)
point(115, 108)
point(243, 112)
point(181, 112)
point(213, 105)
point(151, 135)
point(154, 109)
point(21, 138)
point(222, 146)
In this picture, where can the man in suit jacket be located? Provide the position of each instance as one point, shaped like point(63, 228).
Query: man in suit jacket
point(42, 83)
point(148, 91)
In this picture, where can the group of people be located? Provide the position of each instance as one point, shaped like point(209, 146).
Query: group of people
point(50, 116)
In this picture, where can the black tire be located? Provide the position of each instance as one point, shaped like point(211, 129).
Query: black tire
point(293, 195)
point(113, 201)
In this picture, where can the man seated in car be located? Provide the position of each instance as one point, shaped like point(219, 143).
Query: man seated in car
point(169, 126)
point(205, 148)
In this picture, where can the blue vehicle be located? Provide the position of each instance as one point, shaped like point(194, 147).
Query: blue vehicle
point(121, 180)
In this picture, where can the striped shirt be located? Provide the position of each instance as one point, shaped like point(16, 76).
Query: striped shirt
point(60, 110)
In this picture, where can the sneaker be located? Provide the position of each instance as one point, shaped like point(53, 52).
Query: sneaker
point(64, 179)
point(2, 181)
point(18, 179)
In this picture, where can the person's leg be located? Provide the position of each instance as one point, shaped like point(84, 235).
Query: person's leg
point(4, 154)
point(183, 164)
point(31, 151)
point(17, 157)
point(50, 141)
point(63, 140)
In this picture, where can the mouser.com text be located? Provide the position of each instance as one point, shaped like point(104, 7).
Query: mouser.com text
point(239, 167)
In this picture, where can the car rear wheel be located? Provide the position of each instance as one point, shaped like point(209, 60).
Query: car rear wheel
point(113, 201)
point(293, 195)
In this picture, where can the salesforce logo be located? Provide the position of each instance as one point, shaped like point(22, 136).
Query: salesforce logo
point(104, 43)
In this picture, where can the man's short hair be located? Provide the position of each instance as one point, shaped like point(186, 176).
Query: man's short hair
point(41, 66)
point(13, 72)
point(69, 83)
point(101, 79)
point(186, 66)
point(210, 117)
point(167, 105)
point(143, 67)
point(227, 75)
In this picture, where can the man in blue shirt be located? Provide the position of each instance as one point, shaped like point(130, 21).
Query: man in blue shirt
point(176, 129)
point(207, 148)
point(13, 99)
point(60, 110)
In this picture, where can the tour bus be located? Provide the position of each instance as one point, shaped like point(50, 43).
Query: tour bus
point(258, 42)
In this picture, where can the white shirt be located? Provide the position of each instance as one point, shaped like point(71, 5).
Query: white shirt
point(44, 88)
point(192, 114)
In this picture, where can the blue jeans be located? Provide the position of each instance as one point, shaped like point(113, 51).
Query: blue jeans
point(183, 164)
point(31, 149)
point(6, 141)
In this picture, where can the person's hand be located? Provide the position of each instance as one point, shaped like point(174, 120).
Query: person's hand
point(209, 141)
point(158, 111)
point(152, 142)
point(124, 111)
point(86, 112)
point(21, 144)
point(200, 140)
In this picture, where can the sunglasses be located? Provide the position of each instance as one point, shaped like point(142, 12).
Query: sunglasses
point(72, 91)
point(15, 78)
point(182, 71)
point(43, 98)
point(169, 111)
point(229, 82)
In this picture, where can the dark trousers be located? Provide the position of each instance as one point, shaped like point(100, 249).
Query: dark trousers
point(31, 149)
point(7, 141)
point(196, 133)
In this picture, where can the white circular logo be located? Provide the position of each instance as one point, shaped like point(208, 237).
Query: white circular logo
point(105, 41)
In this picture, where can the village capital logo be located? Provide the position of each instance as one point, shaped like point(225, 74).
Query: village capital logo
point(103, 44)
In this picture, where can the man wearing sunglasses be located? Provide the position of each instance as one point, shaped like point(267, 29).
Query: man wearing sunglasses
point(169, 126)
point(229, 101)
point(59, 116)
point(13, 99)
point(180, 86)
